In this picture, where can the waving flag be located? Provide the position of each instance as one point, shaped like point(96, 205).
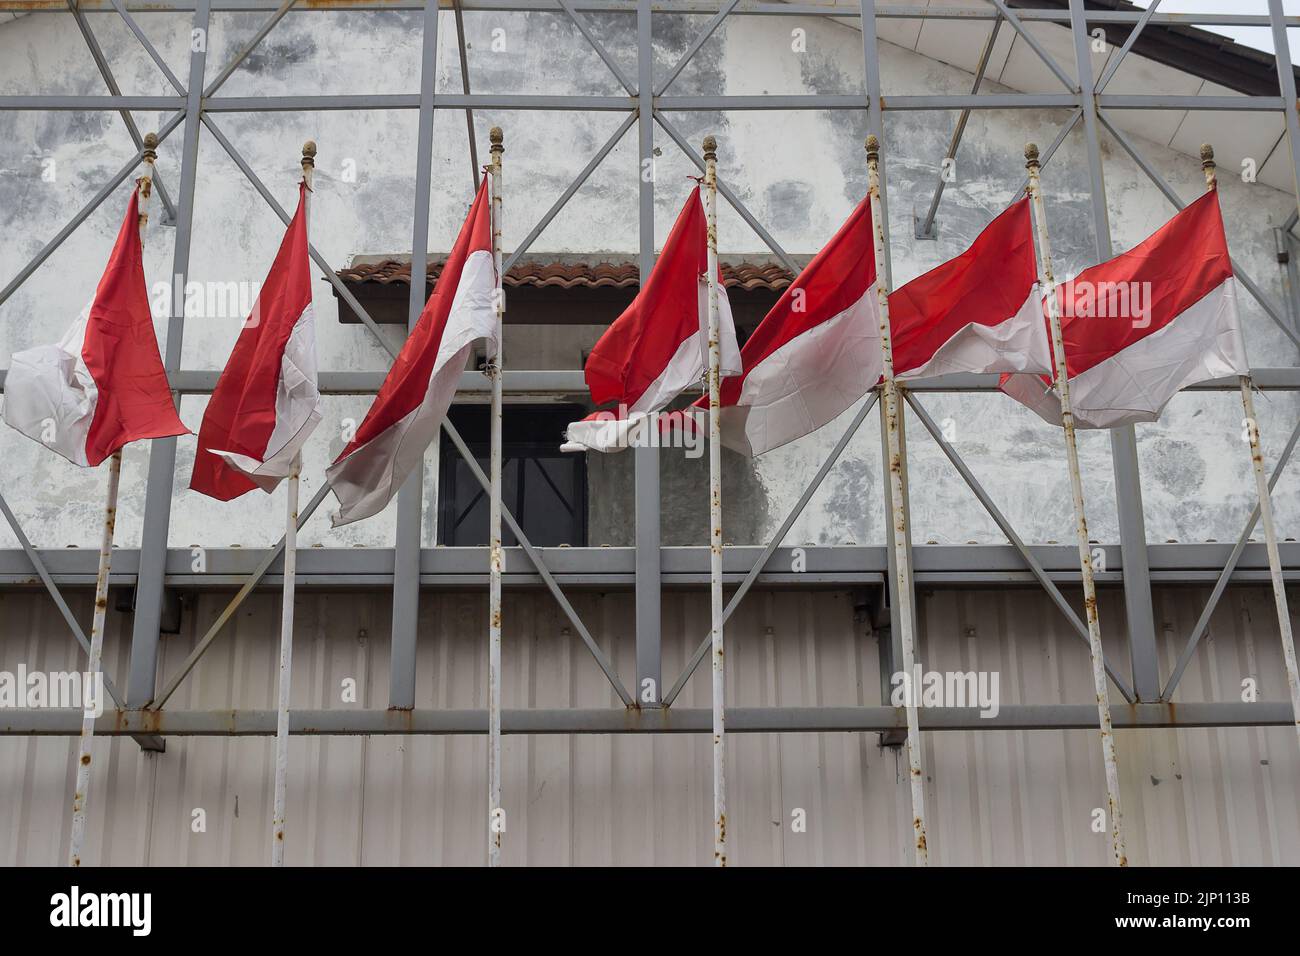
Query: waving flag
point(660, 345)
point(103, 385)
point(817, 352)
point(413, 400)
point(979, 312)
point(1145, 324)
point(266, 403)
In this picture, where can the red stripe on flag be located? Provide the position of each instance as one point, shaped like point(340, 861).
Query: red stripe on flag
point(408, 381)
point(985, 285)
point(121, 352)
point(831, 283)
point(1171, 270)
point(241, 415)
point(634, 351)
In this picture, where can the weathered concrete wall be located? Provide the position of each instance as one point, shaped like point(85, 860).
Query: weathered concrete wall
point(800, 173)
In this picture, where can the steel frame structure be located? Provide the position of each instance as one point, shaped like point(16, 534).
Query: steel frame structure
point(151, 569)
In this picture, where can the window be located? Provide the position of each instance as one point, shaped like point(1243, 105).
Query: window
point(544, 488)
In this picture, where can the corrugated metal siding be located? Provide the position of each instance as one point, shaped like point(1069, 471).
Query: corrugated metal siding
point(1191, 796)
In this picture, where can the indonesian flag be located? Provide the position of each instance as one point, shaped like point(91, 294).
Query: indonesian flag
point(413, 400)
point(979, 312)
point(660, 345)
point(266, 402)
point(817, 352)
point(103, 385)
point(1145, 324)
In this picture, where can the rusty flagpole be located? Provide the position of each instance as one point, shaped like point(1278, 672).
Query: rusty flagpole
point(286, 608)
point(496, 557)
point(1265, 502)
point(891, 408)
point(713, 377)
point(95, 666)
point(1047, 281)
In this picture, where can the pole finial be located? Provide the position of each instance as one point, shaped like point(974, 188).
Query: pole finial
point(150, 152)
point(497, 139)
point(309, 154)
point(1031, 156)
point(1208, 166)
point(710, 149)
point(873, 148)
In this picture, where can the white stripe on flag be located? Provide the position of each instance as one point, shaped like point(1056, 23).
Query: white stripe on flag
point(367, 479)
point(50, 395)
point(808, 381)
point(1018, 344)
point(297, 409)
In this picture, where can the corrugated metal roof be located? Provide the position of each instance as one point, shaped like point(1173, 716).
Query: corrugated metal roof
point(1194, 797)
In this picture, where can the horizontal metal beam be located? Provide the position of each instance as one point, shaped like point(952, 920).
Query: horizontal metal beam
point(914, 11)
point(584, 103)
point(667, 720)
point(571, 381)
point(989, 565)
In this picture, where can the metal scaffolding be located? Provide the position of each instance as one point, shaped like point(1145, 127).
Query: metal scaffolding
point(646, 567)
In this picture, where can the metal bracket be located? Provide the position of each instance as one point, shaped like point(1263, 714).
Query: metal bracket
point(919, 229)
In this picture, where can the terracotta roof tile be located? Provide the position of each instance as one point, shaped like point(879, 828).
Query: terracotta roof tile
point(745, 275)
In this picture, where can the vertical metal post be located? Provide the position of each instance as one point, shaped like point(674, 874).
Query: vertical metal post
point(287, 598)
point(897, 482)
point(645, 460)
point(95, 664)
point(406, 548)
point(1265, 502)
point(162, 451)
point(715, 510)
point(496, 557)
point(1286, 82)
point(1048, 284)
point(1123, 441)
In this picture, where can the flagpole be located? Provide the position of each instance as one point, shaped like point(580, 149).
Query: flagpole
point(897, 495)
point(496, 558)
point(714, 376)
point(287, 599)
point(96, 661)
point(1265, 501)
point(1048, 281)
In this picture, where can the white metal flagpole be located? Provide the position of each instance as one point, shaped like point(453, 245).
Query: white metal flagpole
point(1114, 815)
point(289, 589)
point(95, 667)
point(892, 411)
point(714, 376)
point(1265, 503)
point(496, 558)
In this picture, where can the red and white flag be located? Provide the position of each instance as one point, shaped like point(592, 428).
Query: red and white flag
point(413, 400)
point(266, 403)
point(1145, 324)
point(979, 312)
point(817, 352)
point(660, 344)
point(103, 385)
